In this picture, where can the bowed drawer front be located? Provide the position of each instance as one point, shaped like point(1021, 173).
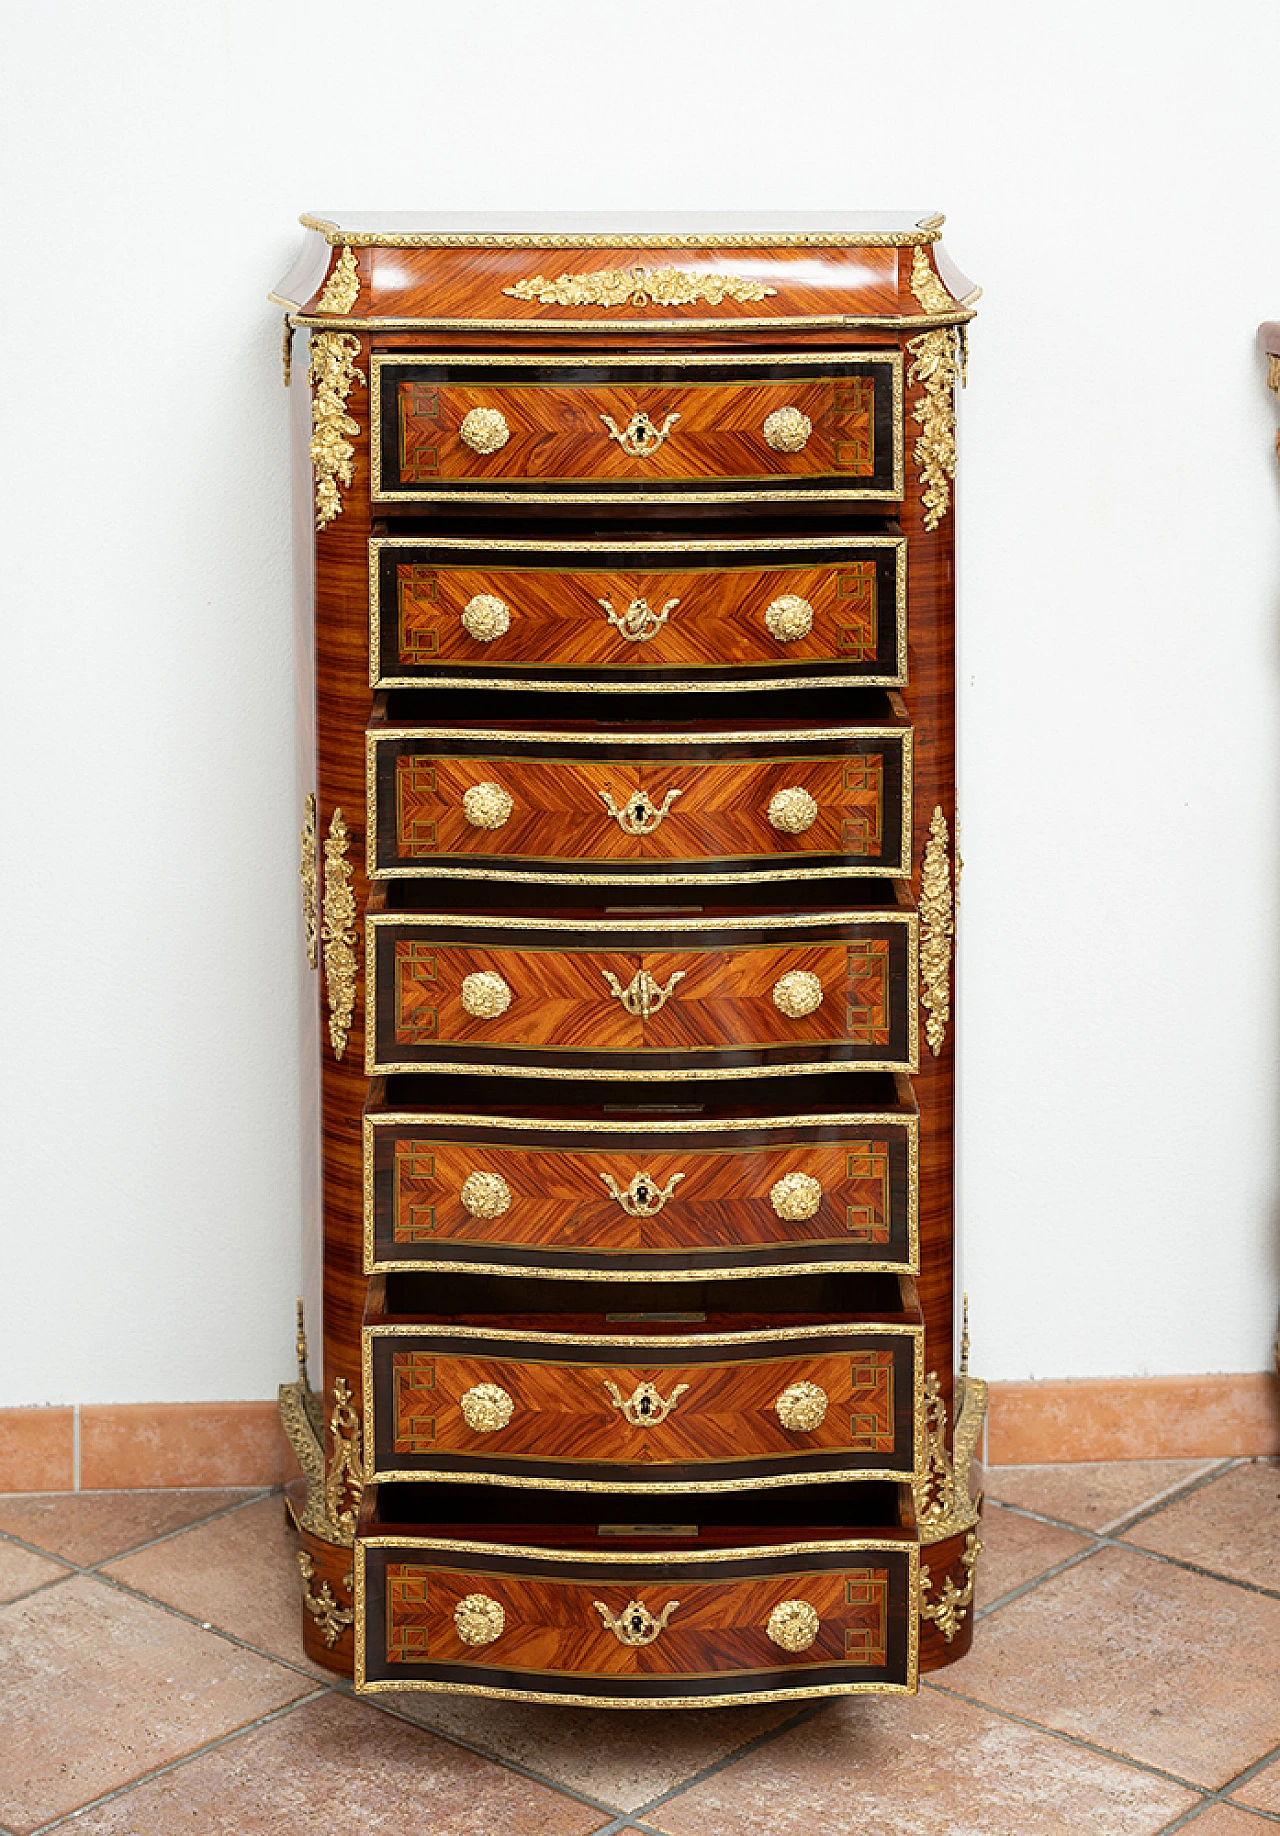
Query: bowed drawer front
point(599, 615)
point(675, 1630)
point(701, 428)
point(562, 998)
point(445, 1192)
point(535, 1409)
point(678, 808)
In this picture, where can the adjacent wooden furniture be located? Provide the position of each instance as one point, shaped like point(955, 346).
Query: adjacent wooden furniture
point(626, 629)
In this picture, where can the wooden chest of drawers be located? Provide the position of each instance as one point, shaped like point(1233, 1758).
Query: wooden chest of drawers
point(628, 867)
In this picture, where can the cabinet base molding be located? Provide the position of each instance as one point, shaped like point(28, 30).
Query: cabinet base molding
point(948, 1572)
point(328, 1602)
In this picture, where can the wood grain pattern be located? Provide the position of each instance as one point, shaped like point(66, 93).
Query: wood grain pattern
point(565, 1423)
point(555, 1640)
point(342, 705)
point(717, 810)
point(558, 435)
point(719, 1197)
point(331, 1566)
point(721, 1000)
point(343, 696)
point(715, 612)
point(944, 1563)
point(930, 699)
point(556, 1626)
point(470, 283)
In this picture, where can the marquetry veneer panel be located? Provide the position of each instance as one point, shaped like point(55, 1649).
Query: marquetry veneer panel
point(568, 987)
point(677, 808)
point(556, 1645)
point(613, 1200)
point(574, 1419)
point(710, 412)
point(598, 615)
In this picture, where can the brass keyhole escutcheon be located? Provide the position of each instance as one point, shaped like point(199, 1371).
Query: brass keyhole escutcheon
point(639, 622)
point(635, 1624)
point(639, 437)
point(639, 815)
point(644, 1197)
point(646, 1406)
point(642, 997)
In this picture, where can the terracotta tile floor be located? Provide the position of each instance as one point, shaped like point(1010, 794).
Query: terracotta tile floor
point(1125, 1681)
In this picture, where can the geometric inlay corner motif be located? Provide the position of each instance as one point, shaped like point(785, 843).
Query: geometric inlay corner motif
point(868, 1015)
point(866, 1632)
point(407, 1607)
point(871, 1402)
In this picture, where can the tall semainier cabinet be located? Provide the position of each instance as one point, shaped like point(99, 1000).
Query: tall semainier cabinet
point(625, 609)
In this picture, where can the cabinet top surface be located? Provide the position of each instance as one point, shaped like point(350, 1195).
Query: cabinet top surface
point(623, 229)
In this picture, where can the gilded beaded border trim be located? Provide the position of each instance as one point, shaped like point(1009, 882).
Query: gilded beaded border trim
point(707, 1125)
point(626, 1481)
point(787, 544)
point(866, 1545)
point(639, 1073)
point(615, 360)
point(929, 229)
point(575, 872)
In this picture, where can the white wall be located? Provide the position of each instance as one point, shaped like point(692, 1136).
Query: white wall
point(1110, 175)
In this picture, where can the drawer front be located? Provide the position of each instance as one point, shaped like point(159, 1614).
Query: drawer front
point(551, 428)
point(802, 1620)
point(450, 802)
point(581, 1008)
point(595, 616)
point(681, 1416)
point(744, 1200)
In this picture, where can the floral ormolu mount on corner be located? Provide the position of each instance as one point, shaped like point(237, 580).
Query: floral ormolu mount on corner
point(945, 1505)
point(334, 1487)
point(515, 899)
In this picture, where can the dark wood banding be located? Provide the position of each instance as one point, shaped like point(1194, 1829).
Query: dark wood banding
point(708, 602)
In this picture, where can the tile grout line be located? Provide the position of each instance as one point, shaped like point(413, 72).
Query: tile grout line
point(1222, 1796)
point(1117, 1538)
point(81, 1568)
point(206, 1625)
point(1174, 1495)
point(1250, 1772)
point(338, 1685)
point(198, 1523)
point(321, 1686)
point(1071, 1740)
point(1218, 1797)
point(622, 1826)
point(1028, 1587)
point(731, 1759)
point(1157, 1502)
point(174, 1765)
point(342, 1687)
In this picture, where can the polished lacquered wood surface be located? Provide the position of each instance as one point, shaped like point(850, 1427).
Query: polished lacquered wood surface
point(703, 425)
point(541, 805)
point(568, 1427)
point(555, 1641)
point(600, 614)
point(567, 1010)
point(668, 1200)
point(559, 621)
